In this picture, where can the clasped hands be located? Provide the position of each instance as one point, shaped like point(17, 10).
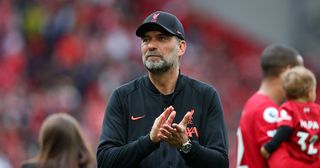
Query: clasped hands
point(172, 133)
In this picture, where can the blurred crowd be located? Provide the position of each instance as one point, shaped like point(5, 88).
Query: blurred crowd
point(68, 56)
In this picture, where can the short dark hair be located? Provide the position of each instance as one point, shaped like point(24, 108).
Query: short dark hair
point(276, 57)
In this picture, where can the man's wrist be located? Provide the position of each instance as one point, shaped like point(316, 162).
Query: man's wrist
point(186, 147)
point(153, 139)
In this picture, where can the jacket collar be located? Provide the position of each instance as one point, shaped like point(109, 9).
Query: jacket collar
point(179, 85)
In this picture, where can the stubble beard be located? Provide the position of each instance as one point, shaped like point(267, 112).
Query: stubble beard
point(158, 67)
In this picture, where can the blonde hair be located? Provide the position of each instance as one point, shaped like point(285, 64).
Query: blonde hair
point(297, 82)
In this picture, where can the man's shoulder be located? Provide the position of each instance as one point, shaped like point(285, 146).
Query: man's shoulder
point(29, 165)
point(260, 100)
point(259, 104)
point(197, 84)
point(131, 85)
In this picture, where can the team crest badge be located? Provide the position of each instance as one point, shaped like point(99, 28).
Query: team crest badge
point(155, 17)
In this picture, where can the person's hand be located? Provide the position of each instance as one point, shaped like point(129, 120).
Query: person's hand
point(175, 135)
point(166, 117)
point(265, 154)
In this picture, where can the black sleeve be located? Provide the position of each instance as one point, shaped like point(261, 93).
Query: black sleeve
point(212, 149)
point(114, 150)
point(283, 132)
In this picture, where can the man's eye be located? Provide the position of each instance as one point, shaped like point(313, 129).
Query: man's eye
point(145, 40)
point(162, 38)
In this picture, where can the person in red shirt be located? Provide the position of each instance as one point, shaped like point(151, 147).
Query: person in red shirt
point(259, 116)
point(296, 143)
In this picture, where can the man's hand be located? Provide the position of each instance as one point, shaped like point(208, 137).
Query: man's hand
point(166, 117)
point(265, 154)
point(175, 135)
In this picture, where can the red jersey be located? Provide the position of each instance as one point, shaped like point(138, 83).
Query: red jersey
point(303, 144)
point(258, 124)
point(281, 158)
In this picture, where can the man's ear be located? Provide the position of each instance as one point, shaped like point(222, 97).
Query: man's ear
point(288, 67)
point(182, 47)
point(311, 95)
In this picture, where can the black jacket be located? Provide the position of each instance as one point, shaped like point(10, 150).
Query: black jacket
point(130, 114)
point(29, 165)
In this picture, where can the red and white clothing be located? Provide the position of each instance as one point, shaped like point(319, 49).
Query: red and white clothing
point(258, 124)
point(302, 147)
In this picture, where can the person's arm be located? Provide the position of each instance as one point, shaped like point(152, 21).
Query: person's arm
point(283, 132)
point(114, 150)
point(212, 149)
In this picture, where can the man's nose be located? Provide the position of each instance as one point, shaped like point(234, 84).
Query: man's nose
point(153, 44)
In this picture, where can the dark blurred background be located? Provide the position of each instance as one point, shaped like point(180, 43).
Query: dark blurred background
point(68, 56)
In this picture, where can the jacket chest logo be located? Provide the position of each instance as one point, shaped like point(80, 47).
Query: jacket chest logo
point(191, 130)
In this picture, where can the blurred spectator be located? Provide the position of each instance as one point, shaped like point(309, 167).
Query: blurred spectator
point(4, 162)
point(62, 144)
